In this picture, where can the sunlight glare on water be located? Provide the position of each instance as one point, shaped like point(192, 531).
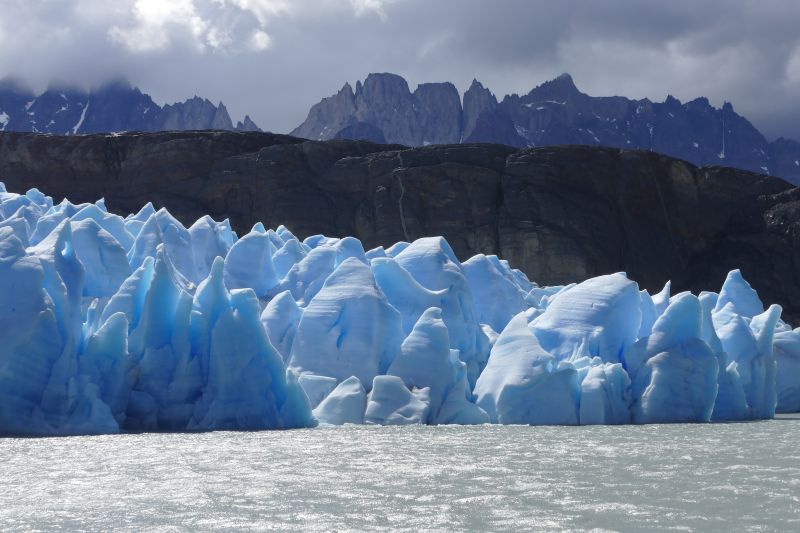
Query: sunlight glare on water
point(710, 477)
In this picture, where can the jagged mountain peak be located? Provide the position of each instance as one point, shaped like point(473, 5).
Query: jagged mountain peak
point(113, 106)
point(247, 125)
point(478, 87)
point(480, 91)
point(560, 88)
point(555, 112)
point(386, 78)
point(347, 89)
point(563, 82)
point(384, 86)
point(478, 95)
point(701, 101)
point(436, 86)
point(194, 100)
point(383, 107)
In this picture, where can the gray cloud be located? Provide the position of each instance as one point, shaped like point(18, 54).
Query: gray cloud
point(274, 58)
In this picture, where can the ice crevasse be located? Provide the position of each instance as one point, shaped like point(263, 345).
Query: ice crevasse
point(138, 323)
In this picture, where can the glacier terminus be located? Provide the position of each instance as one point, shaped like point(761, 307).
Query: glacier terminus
point(115, 324)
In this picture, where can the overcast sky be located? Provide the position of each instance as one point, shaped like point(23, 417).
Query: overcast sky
point(272, 59)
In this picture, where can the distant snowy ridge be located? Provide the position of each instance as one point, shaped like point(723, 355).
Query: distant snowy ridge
point(111, 108)
point(112, 324)
point(384, 109)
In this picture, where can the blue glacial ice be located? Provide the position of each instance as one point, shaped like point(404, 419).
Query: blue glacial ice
point(427, 361)
point(138, 323)
point(391, 403)
point(524, 384)
point(673, 371)
point(345, 404)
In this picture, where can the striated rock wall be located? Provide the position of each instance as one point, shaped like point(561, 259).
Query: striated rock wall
point(561, 214)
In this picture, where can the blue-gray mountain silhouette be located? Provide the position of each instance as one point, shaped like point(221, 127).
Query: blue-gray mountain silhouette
point(553, 113)
point(114, 107)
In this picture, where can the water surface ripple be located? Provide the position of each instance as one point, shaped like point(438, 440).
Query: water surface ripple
point(719, 477)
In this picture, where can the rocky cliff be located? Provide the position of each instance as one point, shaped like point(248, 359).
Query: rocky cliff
point(429, 115)
point(561, 214)
point(553, 113)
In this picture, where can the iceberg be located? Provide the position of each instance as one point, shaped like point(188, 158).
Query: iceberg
point(246, 387)
point(209, 240)
point(432, 264)
point(344, 405)
point(317, 388)
point(524, 384)
point(280, 318)
point(391, 403)
point(348, 328)
point(102, 256)
point(605, 393)
point(673, 372)
point(112, 324)
point(496, 291)
point(249, 264)
point(730, 403)
point(787, 381)
point(426, 361)
point(599, 317)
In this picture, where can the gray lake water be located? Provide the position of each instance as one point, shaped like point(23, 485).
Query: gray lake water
point(719, 477)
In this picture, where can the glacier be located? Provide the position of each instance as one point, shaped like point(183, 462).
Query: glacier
point(120, 324)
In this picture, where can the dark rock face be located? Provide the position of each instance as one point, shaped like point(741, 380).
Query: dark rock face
point(55, 104)
point(14, 100)
point(439, 113)
point(246, 125)
point(485, 121)
point(554, 113)
point(785, 158)
point(111, 108)
point(395, 115)
point(328, 117)
point(429, 115)
point(561, 214)
point(362, 131)
point(195, 111)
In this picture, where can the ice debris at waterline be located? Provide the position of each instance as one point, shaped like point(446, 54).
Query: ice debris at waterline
point(114, 324)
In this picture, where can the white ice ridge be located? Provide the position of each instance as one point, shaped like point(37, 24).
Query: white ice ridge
point(112, 324)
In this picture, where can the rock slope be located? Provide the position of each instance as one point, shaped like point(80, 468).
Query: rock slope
point(561, 214)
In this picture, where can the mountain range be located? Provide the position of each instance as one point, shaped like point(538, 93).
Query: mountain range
point(113, 107)
point(383, 109)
